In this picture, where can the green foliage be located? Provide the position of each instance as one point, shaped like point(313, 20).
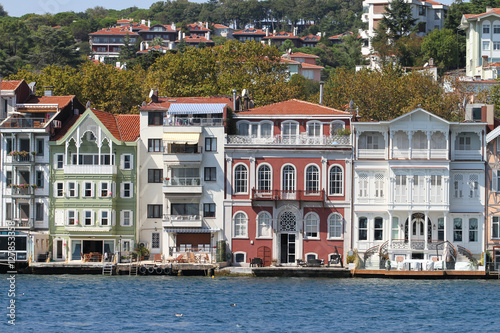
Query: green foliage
point(442, 45)
point(54, 46)
point(398, 19)
point(305, 88)
point(387, 94)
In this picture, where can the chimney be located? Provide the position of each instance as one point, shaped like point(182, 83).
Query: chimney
point(267, 31)
point(488, 9)
point(485, 60)
point(142, 46)
point(179, 35)
point(149, 23)
point(431, 62)
point(143, 22)
point(154, 95)
point(206, 24)
point(48, 90)
point(234, 100)
point(208, 35)
point(173, 26)
point(321, 83)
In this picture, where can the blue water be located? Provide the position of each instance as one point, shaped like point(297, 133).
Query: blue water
point(68, 303)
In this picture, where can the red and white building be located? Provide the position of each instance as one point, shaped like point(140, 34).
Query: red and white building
point(288, 187)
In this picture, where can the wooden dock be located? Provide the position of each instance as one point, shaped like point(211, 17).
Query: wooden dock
point(428, 275)
point(328, 272)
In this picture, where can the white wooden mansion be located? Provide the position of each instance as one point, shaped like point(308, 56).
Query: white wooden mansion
point(419, 189)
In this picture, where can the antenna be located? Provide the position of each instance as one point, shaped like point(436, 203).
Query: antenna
point(87, 106)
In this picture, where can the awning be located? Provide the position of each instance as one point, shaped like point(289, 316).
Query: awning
point(191, 230)
point(181, 138)
point(196, 108)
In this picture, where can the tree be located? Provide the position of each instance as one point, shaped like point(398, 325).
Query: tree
point(3, 13)
point(398, 20)
point(387, 94)
point(128, 51)
point(442, 46)
point(53, 46)
point(287, 45)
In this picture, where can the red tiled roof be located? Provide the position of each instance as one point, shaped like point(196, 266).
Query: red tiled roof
point(492, 11)
point(123, 21)
point(114, 31)
point(164, 102)
point(311, 38)
point(250, 31)
point(293, 107)
point(220, 26)
point(311, 66)
point(154, 48)
point(168, 28)
point(434, 3)
point(341, 35)
point(129, 126)
point(61, 101)
point(289, 61)
point(109, 121)
point(197, 39)
point(10, 85)
point(282, 35)
point(303, 55)
point(197, 27)
point(65, 127)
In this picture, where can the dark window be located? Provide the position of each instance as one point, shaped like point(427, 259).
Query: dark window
point(155, 175)
point(155, 118)
point(421, 27)
point(8, 145)
point(60, 161)
point(185, 209)
point(39, 179)
point(8, 211)
point(476, 114)
point(154, 145)
point(39, 147)
point(363, 228)
point(155, 211)
point(379, 228)
point(8, 176)
point(155, 240)
point(210, 144)
point(210, 174)
point(209, 210)
point(39, 211)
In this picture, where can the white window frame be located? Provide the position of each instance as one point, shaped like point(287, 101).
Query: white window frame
point(58, 158)
point(287, 183)
point(108, 218)
point(56, 189)
point(496, 27)
point(243, 233)
point(84, 189)
point(381, 229)
point(461, 230)
point(108, 190)
point(311, 225)
point(122, 190)
point(330, 192)
point(310, 254)
point(290, 124)
point(314, 124)
point(365, 229)
point(315, 182)
point(74, 190)
point(363, 189)
point(75, 217)
point(84, 215)
point(475, 231)
point(495, 224)
point(486, 45)
point(259, 179)
point(269, 225)
point(486, 28)
point(122, 162)
point(333, 218)
point(238, 189)
point(247, 123)
point(334, 128)
point(244, 257)
point(266, 122)
point(123, 218)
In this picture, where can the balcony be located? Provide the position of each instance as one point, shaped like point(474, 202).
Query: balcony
point(180, 221)
point(371, 153)
point(298, 195)
point(294, 140)
point(90, 169)
point(468, 155)
point(420, 154)
point(180, 154)
point(24, 123)
point(22, 190)
point(20, 223)
point(20, 157)
point(182, 185)
point(183, 121)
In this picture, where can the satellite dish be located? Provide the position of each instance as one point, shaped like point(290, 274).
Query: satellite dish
point(151, 93)
point(244, 92)
point(144, 103)
point(87, 106)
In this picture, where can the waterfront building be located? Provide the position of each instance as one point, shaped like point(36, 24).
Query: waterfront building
point(288, 190)
point(93, 186)
point(482, 38)
point(181, 174)
point(303, 64)
point(419, 189)
point(28, 123)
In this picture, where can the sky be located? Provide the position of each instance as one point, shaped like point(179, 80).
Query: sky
point(18, 8)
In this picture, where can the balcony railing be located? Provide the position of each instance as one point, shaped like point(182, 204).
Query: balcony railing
point(300, 195)
point(182, 121)
point(23, 189)
point(420, 153)
point(179, 221)
point(468, 155)
point(21, 157)
point(24, 123)
point(21, 223)
point(294, 140)
point(90, 169)
point(404, 244)
point(168, 149)
point(196, 181)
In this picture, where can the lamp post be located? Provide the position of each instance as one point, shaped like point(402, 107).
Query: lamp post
point(120, 252)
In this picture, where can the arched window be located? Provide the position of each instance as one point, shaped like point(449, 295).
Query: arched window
point(335, 225)
point(288, 179)
point(336, 181)
point(336, 126)
point(314, 129)
point(243, 128)
point(311, 225)
point(312, 179)
point(241, 179)
point(240, 225)
point(264, 225)
point(419, 140)
point(264, 178)
point(266, 130)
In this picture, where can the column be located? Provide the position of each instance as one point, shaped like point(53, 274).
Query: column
point(251, 180)
point(324, 174)
point(390, 229)
point(229, 179)
point(410, 136)
point(409, 229)
point(429, 134)
point(426, 231)
point(445, 226)
point(391, 144)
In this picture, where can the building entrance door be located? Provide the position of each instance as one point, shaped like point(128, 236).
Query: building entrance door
point(288, 248)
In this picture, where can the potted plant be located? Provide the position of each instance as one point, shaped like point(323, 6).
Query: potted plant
point(142, 252)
